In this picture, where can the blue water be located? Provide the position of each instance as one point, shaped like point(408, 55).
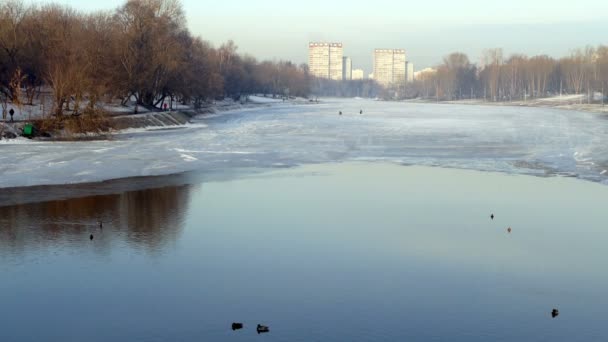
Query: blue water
point(333, 252)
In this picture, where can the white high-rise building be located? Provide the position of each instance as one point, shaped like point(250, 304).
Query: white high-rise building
point(358, 74)
point(347, 71)
point(409, 74)
point(389, 66)
point(325, 60)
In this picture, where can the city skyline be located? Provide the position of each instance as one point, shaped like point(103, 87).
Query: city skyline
point(327, 60)
point(271, 30)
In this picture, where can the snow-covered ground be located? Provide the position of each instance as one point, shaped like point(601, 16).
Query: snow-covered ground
point(261, 99)
point(578, 102)
point(564, 98)
point(515, 140)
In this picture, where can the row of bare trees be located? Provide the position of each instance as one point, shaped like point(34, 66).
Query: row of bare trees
point(517, 77)
point(141, 52)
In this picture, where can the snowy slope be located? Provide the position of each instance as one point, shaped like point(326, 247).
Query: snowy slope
point(261, 99)
point(536, 141)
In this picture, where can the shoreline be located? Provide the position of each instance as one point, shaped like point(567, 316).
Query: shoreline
point(180, 117)
point(549, 103)
point(21, 195)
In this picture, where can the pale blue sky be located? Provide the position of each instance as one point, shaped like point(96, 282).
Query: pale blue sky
point(428, 30)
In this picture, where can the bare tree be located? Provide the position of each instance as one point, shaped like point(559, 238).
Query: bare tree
point(602, 70)
point(516, 75)
point(146, 48)
point(12, 16)
point(492, 60)
point(66, 68)
point(459, 75)
point(575, 71)
point(538, 72)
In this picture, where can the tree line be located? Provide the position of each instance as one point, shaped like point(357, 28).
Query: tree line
point(142, 51)
point(516, 77)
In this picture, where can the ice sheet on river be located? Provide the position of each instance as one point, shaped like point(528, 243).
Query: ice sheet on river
point(536, 141)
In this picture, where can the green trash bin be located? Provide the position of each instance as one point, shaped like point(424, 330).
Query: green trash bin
point(28, 130)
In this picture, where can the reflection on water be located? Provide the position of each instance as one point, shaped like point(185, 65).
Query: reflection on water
point(147, 219)
point(339, 252)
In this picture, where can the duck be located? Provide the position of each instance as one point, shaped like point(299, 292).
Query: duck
point(492, 216)
point(237, 326)
point(262, 329)
point(509, 230)
point(554, 313)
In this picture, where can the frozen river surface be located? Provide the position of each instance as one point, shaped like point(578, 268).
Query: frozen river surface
point(536, 141)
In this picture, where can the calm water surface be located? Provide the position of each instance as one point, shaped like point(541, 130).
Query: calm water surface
point(339, 252)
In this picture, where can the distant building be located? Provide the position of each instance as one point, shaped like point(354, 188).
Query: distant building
point(325, 60)
point(347, 68)
point(371, 76)
point(409, 72)
point(389, 66)
point(358, 74)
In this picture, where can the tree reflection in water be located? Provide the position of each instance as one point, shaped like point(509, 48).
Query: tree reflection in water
point(144, 219)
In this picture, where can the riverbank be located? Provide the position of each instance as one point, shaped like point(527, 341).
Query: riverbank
point(121, 118)
point(566, 102)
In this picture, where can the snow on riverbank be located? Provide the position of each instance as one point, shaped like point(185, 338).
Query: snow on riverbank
point(576, 102)
point(516, 140)
point(17, 141)
point(260, 99)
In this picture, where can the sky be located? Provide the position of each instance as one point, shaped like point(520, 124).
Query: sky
point(427, 30)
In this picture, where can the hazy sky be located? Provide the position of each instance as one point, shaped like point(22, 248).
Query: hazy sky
point(428, 30)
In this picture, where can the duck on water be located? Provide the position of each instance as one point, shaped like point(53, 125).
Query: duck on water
point(262, 329)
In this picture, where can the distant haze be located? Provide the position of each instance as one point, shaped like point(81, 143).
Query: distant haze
point(427, 30)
